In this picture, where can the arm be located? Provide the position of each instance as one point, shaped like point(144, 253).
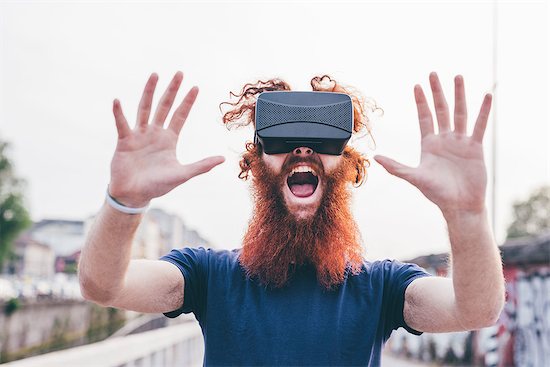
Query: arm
point(452, 174)
point(144, 167)
point(109, 277)
point(474, 296)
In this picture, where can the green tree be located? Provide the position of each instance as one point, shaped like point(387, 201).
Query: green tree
point(13, 216)
point(532, 216)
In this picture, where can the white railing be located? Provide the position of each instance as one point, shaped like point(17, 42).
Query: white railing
point(177, 346)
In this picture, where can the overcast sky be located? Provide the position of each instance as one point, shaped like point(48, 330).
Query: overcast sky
point(62, 65)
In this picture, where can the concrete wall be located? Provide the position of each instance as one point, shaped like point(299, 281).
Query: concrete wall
point(46, 325)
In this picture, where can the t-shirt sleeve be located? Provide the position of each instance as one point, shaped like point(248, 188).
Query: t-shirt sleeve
point(193, 264)
point(397, 277)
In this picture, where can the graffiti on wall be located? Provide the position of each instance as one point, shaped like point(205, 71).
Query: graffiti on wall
point(532, 319)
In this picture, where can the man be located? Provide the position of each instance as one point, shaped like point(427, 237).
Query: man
point(299, 291)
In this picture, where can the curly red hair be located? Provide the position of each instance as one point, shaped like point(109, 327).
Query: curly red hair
point(242, 114)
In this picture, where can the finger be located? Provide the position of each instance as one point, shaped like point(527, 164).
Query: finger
point(424, 115)
point(189, 171)
point(440, 103)
point(180, 115)
point(167, 99)
point(396, 168)
point(121, 123)
point(481, 123)
point(460, 117)
point(144, 109)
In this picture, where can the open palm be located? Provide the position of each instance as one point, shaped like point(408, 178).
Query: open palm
point(145, 165)
point(452, 171)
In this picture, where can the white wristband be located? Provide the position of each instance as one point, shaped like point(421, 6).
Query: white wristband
point(115, 204)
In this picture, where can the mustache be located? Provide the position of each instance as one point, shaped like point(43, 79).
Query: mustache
point(313, 160)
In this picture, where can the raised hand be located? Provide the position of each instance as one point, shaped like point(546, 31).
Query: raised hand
point(452, 171)
point(144, 165)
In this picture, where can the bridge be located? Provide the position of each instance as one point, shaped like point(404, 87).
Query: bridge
point(178, 345)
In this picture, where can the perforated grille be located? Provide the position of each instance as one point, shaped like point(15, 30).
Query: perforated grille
point(337, 114)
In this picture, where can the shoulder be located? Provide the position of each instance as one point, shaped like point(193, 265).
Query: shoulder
point(388, 270)
point(206, 252)
point(389, 265)
point(204, 257)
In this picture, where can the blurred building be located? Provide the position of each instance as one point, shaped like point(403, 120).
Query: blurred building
point(158, 233)
point(67, 264)
point(148, 241)
point(63, 236)
point(193, 238)
point(54, 245)
point(174, 232)
point(172, 229)
point(32, 258)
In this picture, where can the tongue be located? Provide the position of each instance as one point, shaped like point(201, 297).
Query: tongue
point(303, 190)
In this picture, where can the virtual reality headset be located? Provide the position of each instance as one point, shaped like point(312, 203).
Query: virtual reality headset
point(322, 121)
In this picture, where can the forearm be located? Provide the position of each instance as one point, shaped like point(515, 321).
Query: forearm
point(478, 279)
point(106, 254)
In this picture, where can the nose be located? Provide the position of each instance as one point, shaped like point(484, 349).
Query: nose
point(302, 151)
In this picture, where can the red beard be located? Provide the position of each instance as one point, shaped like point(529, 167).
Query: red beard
point(276, 242)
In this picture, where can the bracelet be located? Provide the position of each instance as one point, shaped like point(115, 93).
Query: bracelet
point(122, 208)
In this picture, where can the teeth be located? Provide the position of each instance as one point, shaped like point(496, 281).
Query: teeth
point(303, 169)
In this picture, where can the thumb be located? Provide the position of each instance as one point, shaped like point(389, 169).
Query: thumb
point(191, 170)
point(395, 168)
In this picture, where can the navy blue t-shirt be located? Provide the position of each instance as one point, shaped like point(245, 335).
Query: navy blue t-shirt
point(246, 323)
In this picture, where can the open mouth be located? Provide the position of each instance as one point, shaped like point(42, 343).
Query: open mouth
point(302, 181)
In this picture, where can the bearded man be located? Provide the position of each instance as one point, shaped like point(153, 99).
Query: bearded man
point(299, 291)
